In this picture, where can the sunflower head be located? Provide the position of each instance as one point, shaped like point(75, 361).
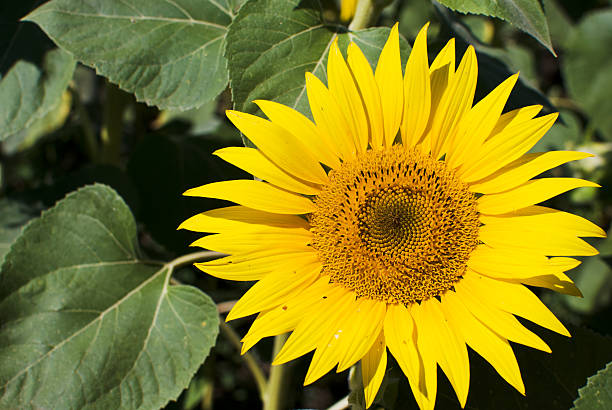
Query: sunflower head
point(402, 217)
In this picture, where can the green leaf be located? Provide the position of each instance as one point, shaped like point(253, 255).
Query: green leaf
point(597, 394)
point(33, 73)
point(526, 15)
point(86, 323)
point(588, 69)
point(272, 43)
point(168, 53)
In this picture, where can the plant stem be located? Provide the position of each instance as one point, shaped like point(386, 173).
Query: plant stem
point(367, 13)
point(275, 395)
point(112, 126)
point(192, 257)
point(250, 361)
point(89, 136)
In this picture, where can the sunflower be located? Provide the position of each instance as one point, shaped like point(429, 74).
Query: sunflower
point(403, 219)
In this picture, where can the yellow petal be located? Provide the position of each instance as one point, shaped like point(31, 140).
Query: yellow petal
point(280, 146)
point(522, 267)
point(515, 299)
point(515, 117)
point(502, 148)
point(270, 291)
point(373, 366)
point(285, 317)
point(364, 77)
point(303, 129)
point(232, 243)
point(448, 348)
point(417, 92)
point(454, 103)
point(492, 347)
point(499, 321)
point(362, 325)
point(242, 219)
point(540, 216)
point(405, 343)
point(329, 117)
point(523, 169)
point(441, 73)
point(317, 325)
point(390, 83)
point(550, 242)
point(478, 124)
point(343, 87)
point(558, 281)
point(255, 194)
point(254, 162)
point(349, 339)
point(507, 263)
point(256, 265)
point(529, 193)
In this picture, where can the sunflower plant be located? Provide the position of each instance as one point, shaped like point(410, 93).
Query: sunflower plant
point(396, 204)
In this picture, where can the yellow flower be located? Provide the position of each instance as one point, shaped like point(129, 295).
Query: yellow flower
point(347, 9)
point(402, 218)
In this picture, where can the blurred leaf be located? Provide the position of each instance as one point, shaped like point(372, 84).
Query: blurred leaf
point(86, 323)
point(49, 123)
point(526, 15)
point(587, 68)
point(197, 121)
point(494, 65)
point(597, 394)
point(162, 168)
point(551, 380)
point(13, 216)
point(559, 22)
point(292, 38)
point(594, 279)
point(33, 73)
point(168, 53)
point(563, 135)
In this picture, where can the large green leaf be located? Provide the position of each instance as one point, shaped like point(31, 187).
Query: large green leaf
point(33, 72)
point(587, 68)
point(85, 323)
point(272, 43)
point(168, 53)
point(597, 394)
point(526, 15)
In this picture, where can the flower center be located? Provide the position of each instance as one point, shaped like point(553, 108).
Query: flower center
point(395, 225)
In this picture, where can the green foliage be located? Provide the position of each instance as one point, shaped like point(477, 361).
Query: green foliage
point(273, 68)
point(86, 322)
point(588, 70)
point(169, 54)
point(33, 72)
point(527, 15)
point(597, 394)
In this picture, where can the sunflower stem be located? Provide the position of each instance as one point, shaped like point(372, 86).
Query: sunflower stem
point(367, 13)
point(275, 395)
point(249, 359)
